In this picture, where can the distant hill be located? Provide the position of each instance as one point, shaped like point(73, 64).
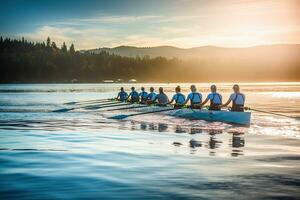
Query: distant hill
point(279, 62)
point(205, 52)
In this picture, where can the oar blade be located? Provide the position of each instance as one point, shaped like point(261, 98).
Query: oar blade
point(95, 100)
point(119, 117)
point(70, 103)
point(63, 110)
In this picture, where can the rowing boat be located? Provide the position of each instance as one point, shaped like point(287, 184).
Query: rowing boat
point(241, 118)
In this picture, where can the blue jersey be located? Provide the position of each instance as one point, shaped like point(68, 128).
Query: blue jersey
point(143, 95)
point(151, 96)
point(123, 96)
point(238, 98)
point(179, 98)
point(215, 98)
point(162, 98)
point(134, 95)
point(195, 97)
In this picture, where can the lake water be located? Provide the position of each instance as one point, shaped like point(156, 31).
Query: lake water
point(81, 154)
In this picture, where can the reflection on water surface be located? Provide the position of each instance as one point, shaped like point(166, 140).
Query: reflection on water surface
point(83, 155)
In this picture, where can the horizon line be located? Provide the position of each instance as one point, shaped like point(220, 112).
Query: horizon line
point(141, 47)
point(224, 47)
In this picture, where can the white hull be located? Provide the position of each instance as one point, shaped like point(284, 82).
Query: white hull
point(242, 118)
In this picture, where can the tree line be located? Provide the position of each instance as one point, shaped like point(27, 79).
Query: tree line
point(22, 61)
point(44, 62)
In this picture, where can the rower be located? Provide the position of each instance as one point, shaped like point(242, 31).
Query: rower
point(122, 95)
point(134, 96)
point(214, 98)
point(194, 97)
point(143, 95)
point(151, 96)
point(237, 98)
point(179, 98)
point(162, 99)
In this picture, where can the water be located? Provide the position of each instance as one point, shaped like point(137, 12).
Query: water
point(81, 154)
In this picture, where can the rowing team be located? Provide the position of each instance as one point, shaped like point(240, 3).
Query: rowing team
point(195, 98)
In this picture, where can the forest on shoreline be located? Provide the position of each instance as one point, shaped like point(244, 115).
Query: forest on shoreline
point(23, 61)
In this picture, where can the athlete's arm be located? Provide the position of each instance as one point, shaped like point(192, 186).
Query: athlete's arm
point(226, 104)
point(205, 101)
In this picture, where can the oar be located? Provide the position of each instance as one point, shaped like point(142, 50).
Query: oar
point(105, 106)
point(69, 109)
point(95, 100)
point(272, 113)
point(91, 101)
point(130, 107)
point(95, 105)
point(136, 114)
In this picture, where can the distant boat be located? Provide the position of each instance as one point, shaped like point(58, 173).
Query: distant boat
point(119, 80)
point(75, 80)
point(132, 81)
point(108, 81)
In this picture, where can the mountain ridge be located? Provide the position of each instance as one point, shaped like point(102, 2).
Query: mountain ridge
point(189, 53)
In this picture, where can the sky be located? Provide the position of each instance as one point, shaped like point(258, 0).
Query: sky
point(182, 23)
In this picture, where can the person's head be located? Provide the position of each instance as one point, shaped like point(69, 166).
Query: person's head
point(151, 89)
point(132, 88)
point(193, 88)
point(213, 88)
point(177, 89)
point(122, 89)
point(161, 90)
point(236, 88)
point(143, 89)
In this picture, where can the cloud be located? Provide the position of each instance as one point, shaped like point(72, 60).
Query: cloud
point(184, 36)
point(119, 19)
point(126, 19)
point(82, 38)
point(185, 23)
point(109, 19)
point(88, 33)
point(180, 18)
point(57, 34)
point(230, 25)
